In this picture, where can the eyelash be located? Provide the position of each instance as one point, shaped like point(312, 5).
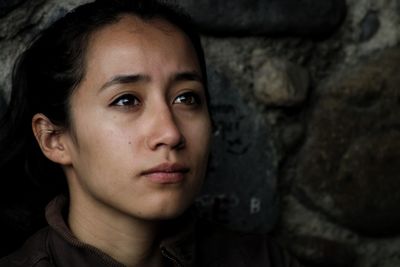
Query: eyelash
point(122, 100)
point(130, 100)
point(195, 98)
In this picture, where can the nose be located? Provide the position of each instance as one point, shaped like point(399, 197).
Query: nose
point(164, 130)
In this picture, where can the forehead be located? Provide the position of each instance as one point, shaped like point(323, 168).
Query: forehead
point(134, 25)
point(133, 37)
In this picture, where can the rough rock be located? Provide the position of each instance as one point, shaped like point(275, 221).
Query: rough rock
point(21, 25)
point(240, 189)
point(291, 135)
point(8, 5)
point(278, 82)
point(2, 103)
point(255, 17)
point(317, 251)
point(350, 163)
point(369, 25)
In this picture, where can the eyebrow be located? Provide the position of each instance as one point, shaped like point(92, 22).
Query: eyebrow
point(125, 79)
point(136, 78)
point(188, 76)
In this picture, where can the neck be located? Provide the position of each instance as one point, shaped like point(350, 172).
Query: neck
point(128, 240)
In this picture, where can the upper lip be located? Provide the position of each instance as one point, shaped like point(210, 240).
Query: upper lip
point(167, 167)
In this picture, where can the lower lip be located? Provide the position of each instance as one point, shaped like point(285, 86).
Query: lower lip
point(166, 177)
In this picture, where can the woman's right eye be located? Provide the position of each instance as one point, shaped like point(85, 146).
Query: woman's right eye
point(126, 100)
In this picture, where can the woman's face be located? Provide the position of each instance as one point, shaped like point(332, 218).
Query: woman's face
point(140, 131)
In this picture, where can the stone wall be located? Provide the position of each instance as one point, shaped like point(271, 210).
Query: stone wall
point(305, 98)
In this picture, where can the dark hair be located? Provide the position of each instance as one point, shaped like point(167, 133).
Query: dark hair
point(50, 69)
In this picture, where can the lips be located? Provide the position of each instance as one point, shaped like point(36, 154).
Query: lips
point(166, 173)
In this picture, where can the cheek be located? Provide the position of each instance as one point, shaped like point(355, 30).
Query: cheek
point(110, 147)
point(100, 143)
point(103, 162)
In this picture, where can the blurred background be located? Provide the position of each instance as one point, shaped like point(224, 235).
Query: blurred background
point(306, 102)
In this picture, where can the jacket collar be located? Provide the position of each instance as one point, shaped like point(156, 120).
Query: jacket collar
point(178, 244)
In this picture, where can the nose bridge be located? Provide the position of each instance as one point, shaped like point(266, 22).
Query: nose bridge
point(166, 116)
point(164, 130)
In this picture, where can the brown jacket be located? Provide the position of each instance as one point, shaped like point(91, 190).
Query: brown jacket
point(193, 244)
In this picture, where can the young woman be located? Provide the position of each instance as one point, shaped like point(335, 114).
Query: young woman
point(112, 98)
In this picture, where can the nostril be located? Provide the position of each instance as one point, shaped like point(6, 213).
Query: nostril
point(181, 144)
point(168, 135)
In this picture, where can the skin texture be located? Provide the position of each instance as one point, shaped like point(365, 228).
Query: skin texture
point(122, 127)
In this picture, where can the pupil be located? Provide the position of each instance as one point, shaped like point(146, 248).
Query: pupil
point(185, 99)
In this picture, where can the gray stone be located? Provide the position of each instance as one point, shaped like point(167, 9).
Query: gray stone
point(21, 25)
point(8, 5)
point(369, 25)
point(255, 17)
point(321, 252)
point(398, 6)
point(291, 135)
point(240, 189)
point(2, 103)
point(349, 166)
point(278, 82)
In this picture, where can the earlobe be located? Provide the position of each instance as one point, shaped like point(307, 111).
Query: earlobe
point(51, 139)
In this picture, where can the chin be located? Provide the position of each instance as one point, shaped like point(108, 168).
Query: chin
point(167, 209)
point(163, 215)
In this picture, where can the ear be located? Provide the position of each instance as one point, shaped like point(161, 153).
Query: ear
point(52, 139)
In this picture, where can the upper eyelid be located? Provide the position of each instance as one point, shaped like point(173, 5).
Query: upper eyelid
point(119, 96)
point(187, 91)
point(198, 98)
point(197, 91)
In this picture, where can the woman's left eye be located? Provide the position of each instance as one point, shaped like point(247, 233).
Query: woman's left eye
point(126, 100)
point(187, 99)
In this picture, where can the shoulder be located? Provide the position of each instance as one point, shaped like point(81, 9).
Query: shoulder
point(32, 254)
point(224, 247)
